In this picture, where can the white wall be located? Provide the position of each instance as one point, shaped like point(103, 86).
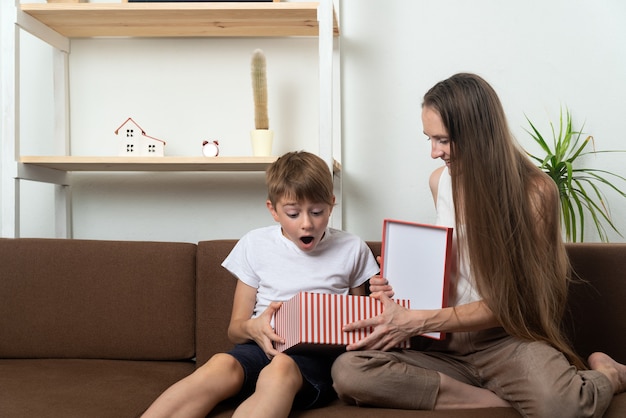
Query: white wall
point(181, 91)
point(538, 55)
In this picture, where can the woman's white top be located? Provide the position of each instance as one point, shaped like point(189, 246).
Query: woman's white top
point(462, 286)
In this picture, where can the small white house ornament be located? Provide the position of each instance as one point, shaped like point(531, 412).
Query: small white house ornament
point(210, 149)
point(134, 142)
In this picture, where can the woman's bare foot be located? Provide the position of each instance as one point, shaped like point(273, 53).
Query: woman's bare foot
point(615, 371)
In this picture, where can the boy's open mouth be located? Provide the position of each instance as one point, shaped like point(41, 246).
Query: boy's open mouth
point(306, 240)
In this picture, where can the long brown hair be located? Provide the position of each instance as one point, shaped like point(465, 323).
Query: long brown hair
point(509, 210)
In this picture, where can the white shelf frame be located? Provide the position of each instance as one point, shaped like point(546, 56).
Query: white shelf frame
point(57, 169)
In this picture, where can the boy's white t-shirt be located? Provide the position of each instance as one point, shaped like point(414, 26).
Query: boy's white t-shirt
point(268, 261)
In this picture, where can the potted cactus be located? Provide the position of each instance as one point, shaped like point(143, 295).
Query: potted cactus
point(261, 136)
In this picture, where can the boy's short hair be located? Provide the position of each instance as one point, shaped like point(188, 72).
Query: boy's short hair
point(299, 175)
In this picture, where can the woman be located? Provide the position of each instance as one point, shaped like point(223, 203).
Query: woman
point(504, 345)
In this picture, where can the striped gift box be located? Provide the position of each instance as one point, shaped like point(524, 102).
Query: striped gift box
point(316, 319)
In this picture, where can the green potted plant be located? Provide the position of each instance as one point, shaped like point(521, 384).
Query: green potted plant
point(580, 187)
point(261, 136)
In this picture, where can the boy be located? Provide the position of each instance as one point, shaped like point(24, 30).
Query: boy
point(272, 264)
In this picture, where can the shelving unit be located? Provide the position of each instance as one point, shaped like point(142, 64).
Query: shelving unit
point(58, 23)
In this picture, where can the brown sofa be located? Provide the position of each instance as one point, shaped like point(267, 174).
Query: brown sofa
point(101, 328)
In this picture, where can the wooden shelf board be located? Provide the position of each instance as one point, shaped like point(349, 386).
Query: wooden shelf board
point(76, 20)
point(120, 164)
point(76, 163)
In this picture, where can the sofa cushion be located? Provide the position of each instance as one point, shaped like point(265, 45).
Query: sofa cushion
point(597, 300)
point(339, 409)
point(84, 388)
point(215, 291)
point(97, 299)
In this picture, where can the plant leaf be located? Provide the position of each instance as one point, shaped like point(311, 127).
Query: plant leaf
point(580, 188)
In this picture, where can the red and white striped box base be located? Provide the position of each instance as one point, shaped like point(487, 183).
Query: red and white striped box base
point(316, 319)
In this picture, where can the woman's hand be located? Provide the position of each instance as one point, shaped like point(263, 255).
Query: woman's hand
point(397, 323)
point(391, 327)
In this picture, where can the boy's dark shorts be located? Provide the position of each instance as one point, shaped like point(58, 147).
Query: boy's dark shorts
point(315, 367)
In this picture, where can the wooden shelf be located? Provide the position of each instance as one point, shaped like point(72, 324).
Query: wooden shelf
point(112, 164)
point(77, 20)
point(74, 163)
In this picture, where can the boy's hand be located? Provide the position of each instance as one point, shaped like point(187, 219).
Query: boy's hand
point(380, 284)
point(262, 332)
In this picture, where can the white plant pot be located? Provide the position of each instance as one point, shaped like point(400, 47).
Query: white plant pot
point(262, 142)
